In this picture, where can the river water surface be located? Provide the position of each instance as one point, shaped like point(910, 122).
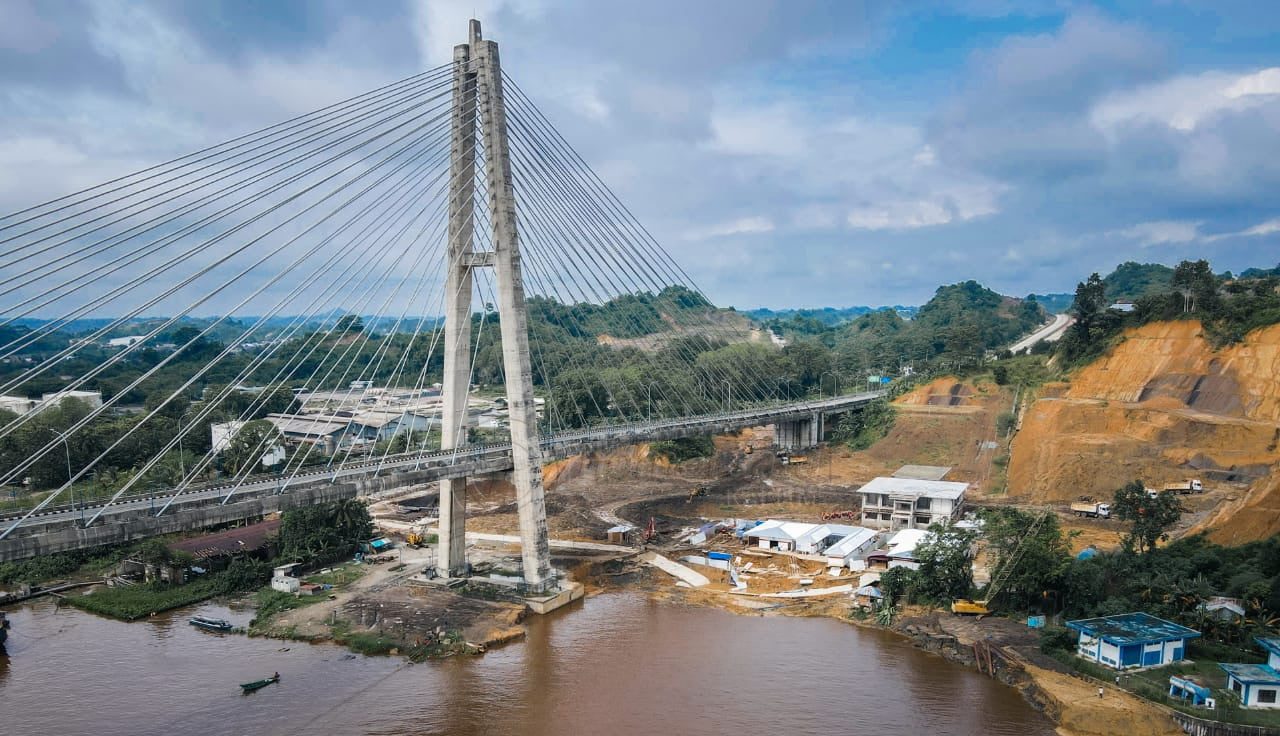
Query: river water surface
point(616, 664)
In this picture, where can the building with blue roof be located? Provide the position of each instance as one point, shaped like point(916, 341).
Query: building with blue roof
point(1131, 640)
point(1190, 691)
point(1257, 685)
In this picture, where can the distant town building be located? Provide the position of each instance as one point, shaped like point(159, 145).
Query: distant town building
point(1122, 305)
point(220, 434)
point(18, 404)
point(92, 398)
point(124, 342)
point(910, 503)
point(1131, 640)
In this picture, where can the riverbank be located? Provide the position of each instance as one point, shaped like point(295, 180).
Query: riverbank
point(1002, 649)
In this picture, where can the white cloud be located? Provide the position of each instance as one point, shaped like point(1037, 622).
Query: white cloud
point(1264, 228)
point(741, 226)
point(770, 130)
point(1184, 103)
point(899, 216)
point(1162, 232)
point(957, 204)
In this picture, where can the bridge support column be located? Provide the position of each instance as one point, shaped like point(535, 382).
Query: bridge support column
point(526, 452)
point(451, 557)
point(799, 434)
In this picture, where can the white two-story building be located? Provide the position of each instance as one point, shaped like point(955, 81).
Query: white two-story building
point(908, 503)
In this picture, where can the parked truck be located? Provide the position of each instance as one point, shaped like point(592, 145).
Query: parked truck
point(1091, 509)
point(1191, 485)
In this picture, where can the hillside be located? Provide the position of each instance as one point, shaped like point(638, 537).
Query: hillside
point(1163, 405)
point(959, 325)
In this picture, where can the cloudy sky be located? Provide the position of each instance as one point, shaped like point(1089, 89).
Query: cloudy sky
point(787, 153)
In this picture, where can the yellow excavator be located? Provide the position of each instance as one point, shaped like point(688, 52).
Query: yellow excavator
point(966, 607)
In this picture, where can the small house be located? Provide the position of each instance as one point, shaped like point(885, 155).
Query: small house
point(1131, 640)
point(851, 548)
point(283, 581)
point(1256, 684)
point(899, 551)
point(779, 535)
point(376, 546)
point(1189, 691)
point(1223, 608)
point(867, 596)
point(618, 534)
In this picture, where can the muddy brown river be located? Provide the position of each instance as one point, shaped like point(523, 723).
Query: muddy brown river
point(615, 664)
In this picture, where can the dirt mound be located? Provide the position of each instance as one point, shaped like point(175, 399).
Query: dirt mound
point(1075, 705)
point(945, 391)
point(1163, 406)
point(1252, 515)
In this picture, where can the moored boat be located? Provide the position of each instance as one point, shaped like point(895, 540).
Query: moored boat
point(4, 630)
point(256, 685)
point(210, 624)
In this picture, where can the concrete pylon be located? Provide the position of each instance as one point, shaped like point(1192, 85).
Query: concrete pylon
point(479, 59)
point(451, 556)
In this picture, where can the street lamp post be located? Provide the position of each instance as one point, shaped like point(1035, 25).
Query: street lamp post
point(182, 463)
point(835, 385)
point(67, 444)
point(648, 393)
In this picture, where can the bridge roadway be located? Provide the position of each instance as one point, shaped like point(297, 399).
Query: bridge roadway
point(425, 467)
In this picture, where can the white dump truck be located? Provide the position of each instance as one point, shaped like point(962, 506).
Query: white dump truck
point(1092, 509)
point(1191, 485)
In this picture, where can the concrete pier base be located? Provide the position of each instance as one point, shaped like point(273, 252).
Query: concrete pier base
point(568, 593)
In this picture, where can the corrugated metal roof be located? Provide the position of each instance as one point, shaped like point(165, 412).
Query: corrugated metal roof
point(1254, 674)
point(307, 426)
point(1132, 628)
point(851, 542)
point(1270, 644)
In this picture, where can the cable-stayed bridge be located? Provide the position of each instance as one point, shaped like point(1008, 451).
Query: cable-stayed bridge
point(447, 193)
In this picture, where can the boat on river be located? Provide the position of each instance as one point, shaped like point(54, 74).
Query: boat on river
point(4, 630)
point(256, 685)
point(210, 624)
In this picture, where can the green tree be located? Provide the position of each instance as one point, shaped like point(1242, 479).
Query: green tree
point(1000, 374)
point(1198, 285)
point(897, 583)
point(1151, 515)
point(1029, 552)
point(946, 564)
point(349, 323)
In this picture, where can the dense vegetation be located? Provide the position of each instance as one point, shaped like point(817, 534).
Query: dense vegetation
point(612, 361)
point(138, 601)
point(684, 448)
point(323, 532)
point(1229, 307)
point(1031, 558)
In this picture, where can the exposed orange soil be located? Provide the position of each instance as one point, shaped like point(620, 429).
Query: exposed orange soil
point(943, 422)
point(1164, 406)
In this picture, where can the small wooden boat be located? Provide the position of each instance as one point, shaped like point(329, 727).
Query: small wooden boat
point(210, 624)
point(256, 685)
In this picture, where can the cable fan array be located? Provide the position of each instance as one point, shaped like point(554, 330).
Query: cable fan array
point(318, 247)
